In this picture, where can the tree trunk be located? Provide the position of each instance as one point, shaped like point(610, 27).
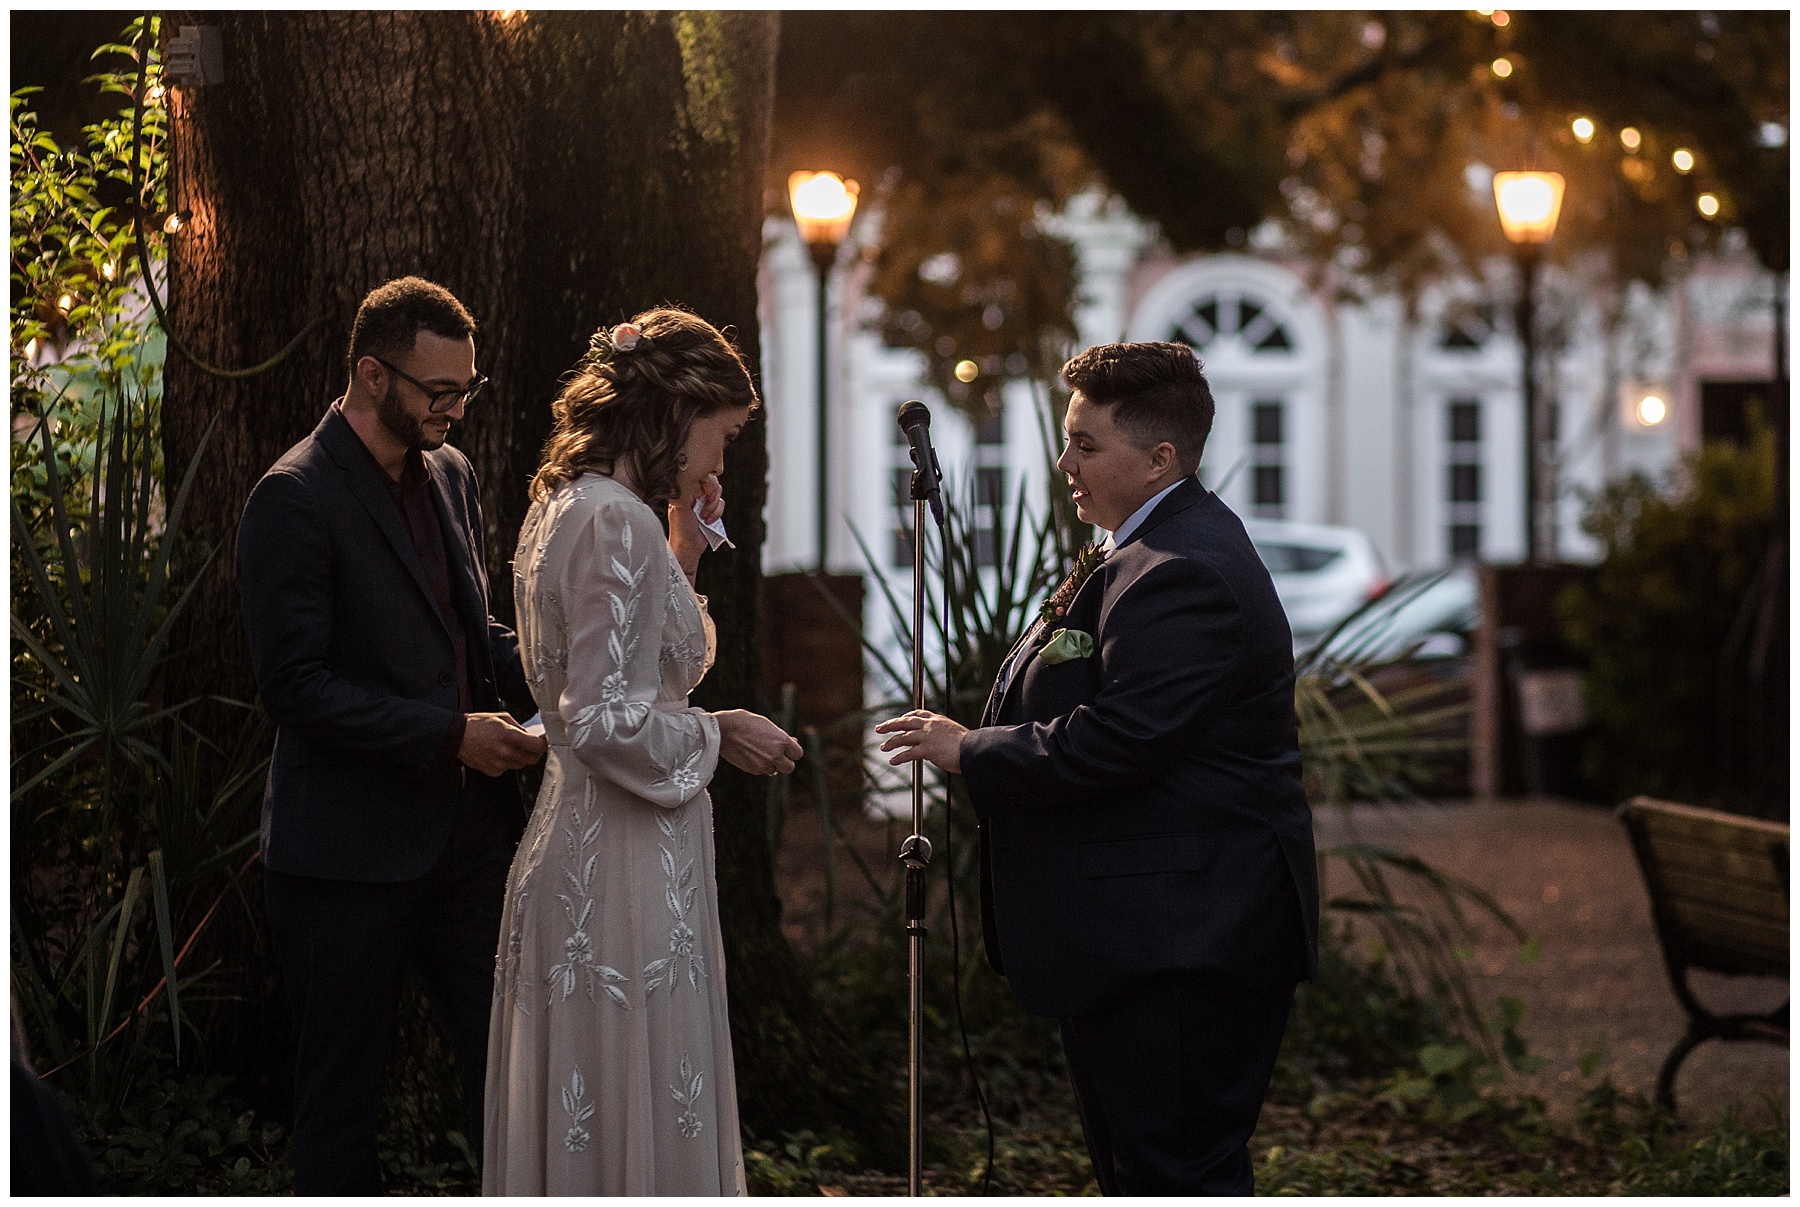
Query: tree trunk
point(556, 171)
point(343, 149)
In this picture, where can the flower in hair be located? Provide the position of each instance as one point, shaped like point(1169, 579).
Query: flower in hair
point(605, 343)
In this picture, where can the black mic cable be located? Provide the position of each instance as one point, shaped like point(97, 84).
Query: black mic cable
point(962, 1026)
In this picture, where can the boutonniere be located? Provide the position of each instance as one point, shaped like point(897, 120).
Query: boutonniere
point(1086, 562)
point(1067, 645)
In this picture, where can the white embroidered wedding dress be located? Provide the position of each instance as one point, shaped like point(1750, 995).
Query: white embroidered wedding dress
point(609, 1056)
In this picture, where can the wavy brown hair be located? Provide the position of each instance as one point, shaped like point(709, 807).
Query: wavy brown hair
point(635, 408)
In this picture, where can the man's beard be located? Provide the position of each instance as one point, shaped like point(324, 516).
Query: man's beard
point(405, 427)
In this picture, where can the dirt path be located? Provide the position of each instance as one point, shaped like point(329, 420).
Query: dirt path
point(1564, 870)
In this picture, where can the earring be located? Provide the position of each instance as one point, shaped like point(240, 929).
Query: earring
point(680, 460)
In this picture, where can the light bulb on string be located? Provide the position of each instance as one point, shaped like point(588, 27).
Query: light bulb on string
point(1708, 205)
point(1583, 129)
point(66, 303)
point(176, 222)
point(1630, 137)
point(1502, 67)
point(1683, 160)
point(108, 269)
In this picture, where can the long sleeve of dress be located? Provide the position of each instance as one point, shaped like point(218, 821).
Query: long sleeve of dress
point(616, 592)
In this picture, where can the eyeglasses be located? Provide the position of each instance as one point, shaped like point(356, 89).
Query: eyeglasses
point(438, 401)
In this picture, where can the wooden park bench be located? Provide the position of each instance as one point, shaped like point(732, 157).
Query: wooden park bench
point(1719, 893)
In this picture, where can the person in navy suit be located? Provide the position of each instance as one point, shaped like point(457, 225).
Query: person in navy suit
point(390, 816)
point(1148, 874)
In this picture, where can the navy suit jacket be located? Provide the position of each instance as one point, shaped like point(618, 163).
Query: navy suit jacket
point(355, 663)
point(1141, 810)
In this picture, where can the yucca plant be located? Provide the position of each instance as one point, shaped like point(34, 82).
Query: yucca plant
point(119, 823)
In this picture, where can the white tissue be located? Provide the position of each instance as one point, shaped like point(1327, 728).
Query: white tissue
point(714, 530)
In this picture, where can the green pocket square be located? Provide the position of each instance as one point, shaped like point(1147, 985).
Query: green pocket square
point(1065, 645)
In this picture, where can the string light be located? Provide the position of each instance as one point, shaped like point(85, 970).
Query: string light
point(1583, 128)
point(109, 270)
point(1708, 205)
point(66, 303)
point(1500, 18)
point(1502, 67)
point(176, 222)
point(154, 94)
point(967, 370)
point(1652, 410)
point(1631, 138)
point(1683, 160)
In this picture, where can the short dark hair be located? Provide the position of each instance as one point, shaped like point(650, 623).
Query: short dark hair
point(1157, 392)
point(390, 318)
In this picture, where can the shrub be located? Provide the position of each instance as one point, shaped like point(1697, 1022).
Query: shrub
point(1656, 616)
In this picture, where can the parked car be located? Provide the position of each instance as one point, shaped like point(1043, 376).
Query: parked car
point(1434, 614)
point(1322, 573)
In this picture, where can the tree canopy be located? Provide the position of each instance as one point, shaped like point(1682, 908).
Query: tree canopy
point(1366, 138)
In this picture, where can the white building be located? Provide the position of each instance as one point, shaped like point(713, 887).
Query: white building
point(1329, 410)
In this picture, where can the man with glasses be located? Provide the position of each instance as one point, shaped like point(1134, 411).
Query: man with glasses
point(391, 811)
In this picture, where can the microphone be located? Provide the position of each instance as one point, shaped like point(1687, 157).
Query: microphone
point(928, 477)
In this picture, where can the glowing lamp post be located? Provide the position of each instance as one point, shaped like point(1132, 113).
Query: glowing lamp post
point(823, 204)
point(1529, 204)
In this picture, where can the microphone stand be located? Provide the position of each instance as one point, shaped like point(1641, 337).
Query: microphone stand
point(915, 853)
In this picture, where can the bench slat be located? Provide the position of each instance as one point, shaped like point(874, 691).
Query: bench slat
point(1716, 878)
point(1764, 900)
point(1732, 931)
point(1755, 864)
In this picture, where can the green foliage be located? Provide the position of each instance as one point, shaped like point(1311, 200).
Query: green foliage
point(1655, 618)
point(1645, 1156)
point(133, 935)
point(974, 277)
point(1354, 1022)
point(1732, 1160)
point(1359, 1168)
point(76, 280)
point(799, 1165)
point(183, 1135)
point(104, 909)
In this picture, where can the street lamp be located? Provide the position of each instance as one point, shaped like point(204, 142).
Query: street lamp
point(823, 204)
point(1529, 203)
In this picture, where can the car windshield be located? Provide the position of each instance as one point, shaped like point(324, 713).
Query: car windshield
point(1284, 558)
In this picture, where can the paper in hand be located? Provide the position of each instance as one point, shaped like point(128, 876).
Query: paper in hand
point(535, 726)
point(715, 530)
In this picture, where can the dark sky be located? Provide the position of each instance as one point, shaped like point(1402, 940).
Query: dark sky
point(51, 49)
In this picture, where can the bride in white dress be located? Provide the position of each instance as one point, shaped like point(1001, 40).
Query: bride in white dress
point(609, 1052)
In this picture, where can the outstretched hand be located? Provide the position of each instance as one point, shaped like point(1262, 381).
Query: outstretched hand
point(924, 735)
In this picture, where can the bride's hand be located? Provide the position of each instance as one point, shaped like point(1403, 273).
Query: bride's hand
point(686, 539)
point(755, 744)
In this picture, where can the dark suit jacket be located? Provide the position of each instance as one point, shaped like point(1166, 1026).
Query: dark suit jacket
point(1141, 809)
point(355, 662)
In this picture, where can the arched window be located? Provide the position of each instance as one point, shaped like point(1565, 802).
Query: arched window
point(1240, 315)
